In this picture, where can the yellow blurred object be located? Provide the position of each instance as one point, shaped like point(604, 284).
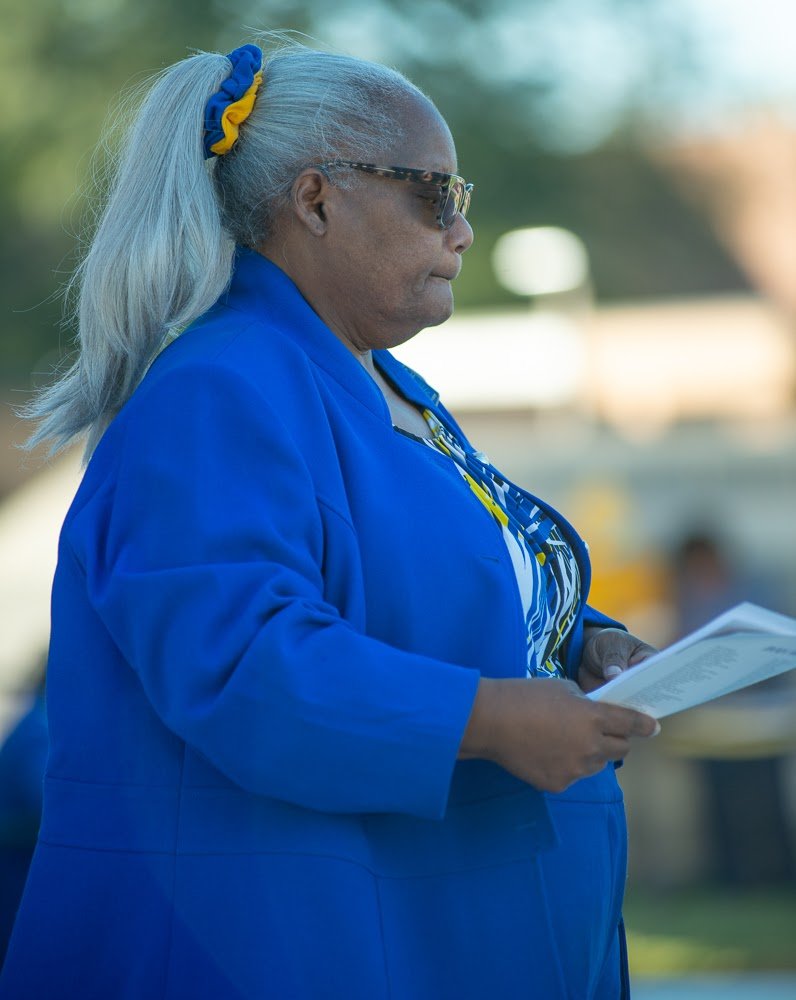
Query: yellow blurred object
point(629, 582)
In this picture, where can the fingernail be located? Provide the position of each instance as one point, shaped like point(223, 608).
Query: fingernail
point(613, 671)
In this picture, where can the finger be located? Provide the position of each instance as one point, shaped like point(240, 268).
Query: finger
point(626, 722)
point(632, 652)
point(613, 648)
point(563, 687)
point(610, 750)
point(642, 652)
point(616, 748)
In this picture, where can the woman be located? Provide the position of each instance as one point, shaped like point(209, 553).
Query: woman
point(290, 597)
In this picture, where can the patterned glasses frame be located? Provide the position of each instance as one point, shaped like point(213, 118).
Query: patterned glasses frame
point(454, 190)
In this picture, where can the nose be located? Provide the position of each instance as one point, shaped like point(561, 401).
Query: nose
point(461, 234)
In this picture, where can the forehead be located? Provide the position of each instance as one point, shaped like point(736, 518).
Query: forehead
point(426, 141)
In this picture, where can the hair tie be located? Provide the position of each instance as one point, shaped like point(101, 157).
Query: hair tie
point(233, 102)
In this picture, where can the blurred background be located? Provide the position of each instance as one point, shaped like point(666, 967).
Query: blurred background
point(624, 346)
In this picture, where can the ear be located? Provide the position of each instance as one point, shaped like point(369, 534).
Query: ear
point(308, 196)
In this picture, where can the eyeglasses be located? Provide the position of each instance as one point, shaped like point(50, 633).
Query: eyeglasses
point(454, 191)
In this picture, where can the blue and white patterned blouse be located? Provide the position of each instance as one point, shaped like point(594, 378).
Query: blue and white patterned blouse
point(547, 572)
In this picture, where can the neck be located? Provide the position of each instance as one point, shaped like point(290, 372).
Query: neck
point(321, 301)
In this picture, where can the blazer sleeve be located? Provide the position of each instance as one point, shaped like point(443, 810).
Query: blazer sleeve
point(596, 619)
point(204, 560)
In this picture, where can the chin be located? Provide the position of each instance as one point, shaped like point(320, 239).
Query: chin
point(442, 307)
point(432, 310)
point(442, 315)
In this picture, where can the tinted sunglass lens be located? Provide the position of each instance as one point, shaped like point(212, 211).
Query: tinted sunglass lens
point(457, 199)
point(450, 206)
point(448, 213)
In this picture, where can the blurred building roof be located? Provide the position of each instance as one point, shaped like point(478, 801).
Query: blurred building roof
point(745, 178)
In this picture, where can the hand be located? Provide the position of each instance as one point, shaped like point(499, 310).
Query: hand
point(607, 652)
point(546, 732)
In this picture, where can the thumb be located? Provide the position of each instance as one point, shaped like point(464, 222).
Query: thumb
point(615, 652)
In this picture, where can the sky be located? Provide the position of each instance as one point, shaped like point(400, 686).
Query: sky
point(720, 57)
point(753, 42)
point(741, 53)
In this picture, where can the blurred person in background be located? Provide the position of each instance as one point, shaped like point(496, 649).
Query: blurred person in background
point(747, 827)
point(317, 670)
point(706, 582)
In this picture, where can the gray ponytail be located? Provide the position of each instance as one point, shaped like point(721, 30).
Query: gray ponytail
point(163, 248)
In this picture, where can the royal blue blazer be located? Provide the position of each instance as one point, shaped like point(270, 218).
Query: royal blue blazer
point(269, 619)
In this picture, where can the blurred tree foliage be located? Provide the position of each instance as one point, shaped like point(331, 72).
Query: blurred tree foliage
point(487, 64)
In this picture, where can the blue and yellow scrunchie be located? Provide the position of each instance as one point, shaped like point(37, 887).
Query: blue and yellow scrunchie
point(233, 103)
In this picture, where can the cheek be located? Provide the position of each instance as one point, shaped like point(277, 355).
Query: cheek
point(421, 290)
point(400, 277)
point(416, 264)
point(398, 265)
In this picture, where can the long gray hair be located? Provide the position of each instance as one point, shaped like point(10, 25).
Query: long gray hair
point(163, 247)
